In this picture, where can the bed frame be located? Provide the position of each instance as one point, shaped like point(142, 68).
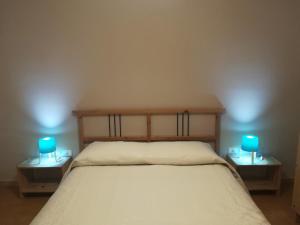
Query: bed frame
point(114, 118)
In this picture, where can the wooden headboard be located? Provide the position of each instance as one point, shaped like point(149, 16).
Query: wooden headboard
point(114, 120)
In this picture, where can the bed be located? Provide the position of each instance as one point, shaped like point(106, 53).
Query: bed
point(146, 180)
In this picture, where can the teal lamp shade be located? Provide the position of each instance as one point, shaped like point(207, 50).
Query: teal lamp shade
point(47, 145)
point(250, 143)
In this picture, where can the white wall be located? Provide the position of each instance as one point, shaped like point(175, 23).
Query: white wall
point(56, 56)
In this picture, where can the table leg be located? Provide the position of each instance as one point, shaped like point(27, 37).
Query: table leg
point(277, 179)
point(21, 195)
point(22, 181)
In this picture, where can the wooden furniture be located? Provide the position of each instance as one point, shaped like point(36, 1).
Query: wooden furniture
point(296, 197)
point(40, 178)
point(262, 175)
point(114, 119)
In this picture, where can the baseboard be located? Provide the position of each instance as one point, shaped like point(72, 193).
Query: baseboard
point(12, 183)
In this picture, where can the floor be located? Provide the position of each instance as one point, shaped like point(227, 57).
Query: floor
point(277, 208)
point(17, 211)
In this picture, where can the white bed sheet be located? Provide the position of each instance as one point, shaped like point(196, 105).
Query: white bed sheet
point(150, 195)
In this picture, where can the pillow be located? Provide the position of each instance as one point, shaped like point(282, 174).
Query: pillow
point(138, 153)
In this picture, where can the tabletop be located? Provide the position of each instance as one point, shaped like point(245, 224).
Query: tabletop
point(246, 161)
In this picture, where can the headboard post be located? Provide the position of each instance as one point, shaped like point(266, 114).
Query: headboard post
point(148, 113)
point(217, 132)
point(80, 132)
point(149, 127)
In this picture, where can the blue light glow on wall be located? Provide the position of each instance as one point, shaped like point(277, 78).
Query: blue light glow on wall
point(246, 105)
point(50, 111)
point(49, 99)
point(247, 91)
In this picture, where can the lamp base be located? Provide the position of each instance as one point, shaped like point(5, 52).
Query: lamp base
point(48, 158)
point(253, 155)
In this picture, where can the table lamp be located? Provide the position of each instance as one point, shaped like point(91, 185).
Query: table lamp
point(250, 143)
point(47, 145)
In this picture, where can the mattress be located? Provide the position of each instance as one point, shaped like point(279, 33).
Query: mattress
point(95, 193)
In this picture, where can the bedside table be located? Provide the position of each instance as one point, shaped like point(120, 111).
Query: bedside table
point(262, 175)
point(41, 178)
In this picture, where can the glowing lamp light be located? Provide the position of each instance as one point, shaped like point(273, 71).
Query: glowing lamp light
point(250, 143)
point(47, 145)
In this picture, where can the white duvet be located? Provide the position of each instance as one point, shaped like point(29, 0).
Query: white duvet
point(178, 183)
